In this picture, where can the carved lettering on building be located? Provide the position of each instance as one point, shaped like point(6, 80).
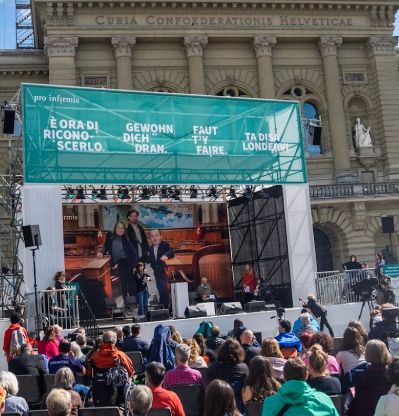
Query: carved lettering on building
point(354, 77)
point(95, 81)
point(222, 21)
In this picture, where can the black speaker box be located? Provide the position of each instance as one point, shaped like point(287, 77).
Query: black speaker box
point(229, 308)
point(158, 315)
point(388, 226)
point(255, 306)
point(94, 294)
point(31, 235)
point(194, 312)
point(9, 119)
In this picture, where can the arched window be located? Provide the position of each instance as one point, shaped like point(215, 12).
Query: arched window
point(161, 88)
point(311, 122)
point(232, 91)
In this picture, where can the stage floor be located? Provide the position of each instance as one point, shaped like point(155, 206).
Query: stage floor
point(265, 322)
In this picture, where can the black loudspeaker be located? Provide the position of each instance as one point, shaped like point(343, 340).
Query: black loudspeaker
point(388, 226)
point(255, 306)
point(32, 236)
point(9, 119)
point(158, 315)
point(94, 295)
point(229, 308)
point(194, 312)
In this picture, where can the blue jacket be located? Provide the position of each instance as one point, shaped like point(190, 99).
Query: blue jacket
point(134, 343)
point(313, 322)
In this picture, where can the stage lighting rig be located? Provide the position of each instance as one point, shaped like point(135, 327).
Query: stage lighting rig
point(100, 194)
point(145, 193)
point(248, 192)
point(212, 192)
point(164, 192)
point(193, 192)
point(70, 193)
point(123, 192)
point(80, 192)
point(232, 193)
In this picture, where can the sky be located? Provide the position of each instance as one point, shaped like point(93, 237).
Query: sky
point(7, 24)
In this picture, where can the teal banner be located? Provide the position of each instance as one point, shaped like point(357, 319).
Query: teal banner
point(96, 136)
point(391, 270)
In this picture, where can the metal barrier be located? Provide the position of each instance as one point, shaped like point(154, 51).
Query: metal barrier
point(56, 307)
point(334, 288)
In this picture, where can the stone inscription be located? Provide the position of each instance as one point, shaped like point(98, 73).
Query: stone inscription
point(227, 21)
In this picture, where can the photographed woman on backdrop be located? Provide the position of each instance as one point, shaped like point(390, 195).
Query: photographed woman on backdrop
point(142, 295)
point(123, 255)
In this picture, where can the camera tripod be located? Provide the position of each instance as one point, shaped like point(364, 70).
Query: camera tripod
point(370, 304)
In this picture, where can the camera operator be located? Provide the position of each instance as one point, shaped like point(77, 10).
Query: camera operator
point(385, 293)
point(318, 311)
point(388, 326)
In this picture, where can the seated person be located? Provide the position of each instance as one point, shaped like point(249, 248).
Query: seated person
point(247, 339)
point(162, 398)
point(215, 340)
point(107, 354)
point(28, 363)
point(298, 323)
point(134, 342)
point(204, 290)
point(65, 359)
point(305, 326)
point(140, 401)
point(182, 373)
point(289, 343)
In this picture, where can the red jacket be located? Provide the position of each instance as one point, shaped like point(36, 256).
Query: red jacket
point(248, 279)
point(7, 338)
point(162, 398)
point(48, 348)
point(106, 356)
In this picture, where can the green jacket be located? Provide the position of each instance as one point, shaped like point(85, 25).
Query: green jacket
point(305, 401)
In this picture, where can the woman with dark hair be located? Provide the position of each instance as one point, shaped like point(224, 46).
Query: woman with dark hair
point(351, 354)
point(48, 346)
point(260, 382)
point(327, 344)
point(207, 354)
point(372, 383)
point(219, 400)
point(362, 330)
point(271, 351)
point(379, 266)
point(59, 284)
point(230, 367)
point(388, 405)
point(320, 377)
point(123, 255)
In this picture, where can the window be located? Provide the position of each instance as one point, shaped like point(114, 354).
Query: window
point(232, 91)
point(311, 122)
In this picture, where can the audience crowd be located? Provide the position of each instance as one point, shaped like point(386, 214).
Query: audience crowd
point(297, 372)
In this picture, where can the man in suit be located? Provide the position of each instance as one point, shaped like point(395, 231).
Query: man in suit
point(28, 363)
point(137, 235)
point(160, 251)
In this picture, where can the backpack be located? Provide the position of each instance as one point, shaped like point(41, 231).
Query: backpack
point(18, 338)
point(116, 376)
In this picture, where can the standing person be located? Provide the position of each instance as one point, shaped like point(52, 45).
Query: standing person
point(123, 255)
point(59, 284)
point(137, 235)
point(379, 266)
point(14, 337)
point(318, 311)
point(352, 264)
point(142, 294)
point(159, 253)
point(248, 283)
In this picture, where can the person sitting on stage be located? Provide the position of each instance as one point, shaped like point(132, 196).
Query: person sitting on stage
point(247, 342)
point(289, 343)
point(159, 253)
point(248, 284)
point(298, 323)
point(204, 290)
point(107, 354)
point(215, 340)
point(182, 373)
point(162, 398)
point(134, 342)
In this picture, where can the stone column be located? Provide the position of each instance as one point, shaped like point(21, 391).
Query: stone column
point(61, 56)
point(336, 116)
point(194, 49)
point(123, 46)
point(383, 81)
point(263, 46)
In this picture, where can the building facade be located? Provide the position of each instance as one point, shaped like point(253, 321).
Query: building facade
point(337, 57)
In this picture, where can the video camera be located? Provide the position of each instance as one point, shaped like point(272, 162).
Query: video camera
point(365, 288)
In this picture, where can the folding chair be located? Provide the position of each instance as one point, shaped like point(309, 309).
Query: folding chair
point(11, 414)
point(205, 374)
point(29, 389)
point(160, 412)
point(338, 403)
point(192, 398)
point(48, 381)
point(137, 360)
point(42, 412)
point(99, 411)
point(253, 408)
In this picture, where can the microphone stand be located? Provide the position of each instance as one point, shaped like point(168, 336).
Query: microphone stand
point(38, 318)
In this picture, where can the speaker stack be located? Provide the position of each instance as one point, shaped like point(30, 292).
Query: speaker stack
point(230, 308)
point(158, 315)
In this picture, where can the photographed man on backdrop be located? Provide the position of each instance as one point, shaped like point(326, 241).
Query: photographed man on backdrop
point(137, 235)
point(160, 251)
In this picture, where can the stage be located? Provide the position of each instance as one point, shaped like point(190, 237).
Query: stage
point(264, 322)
